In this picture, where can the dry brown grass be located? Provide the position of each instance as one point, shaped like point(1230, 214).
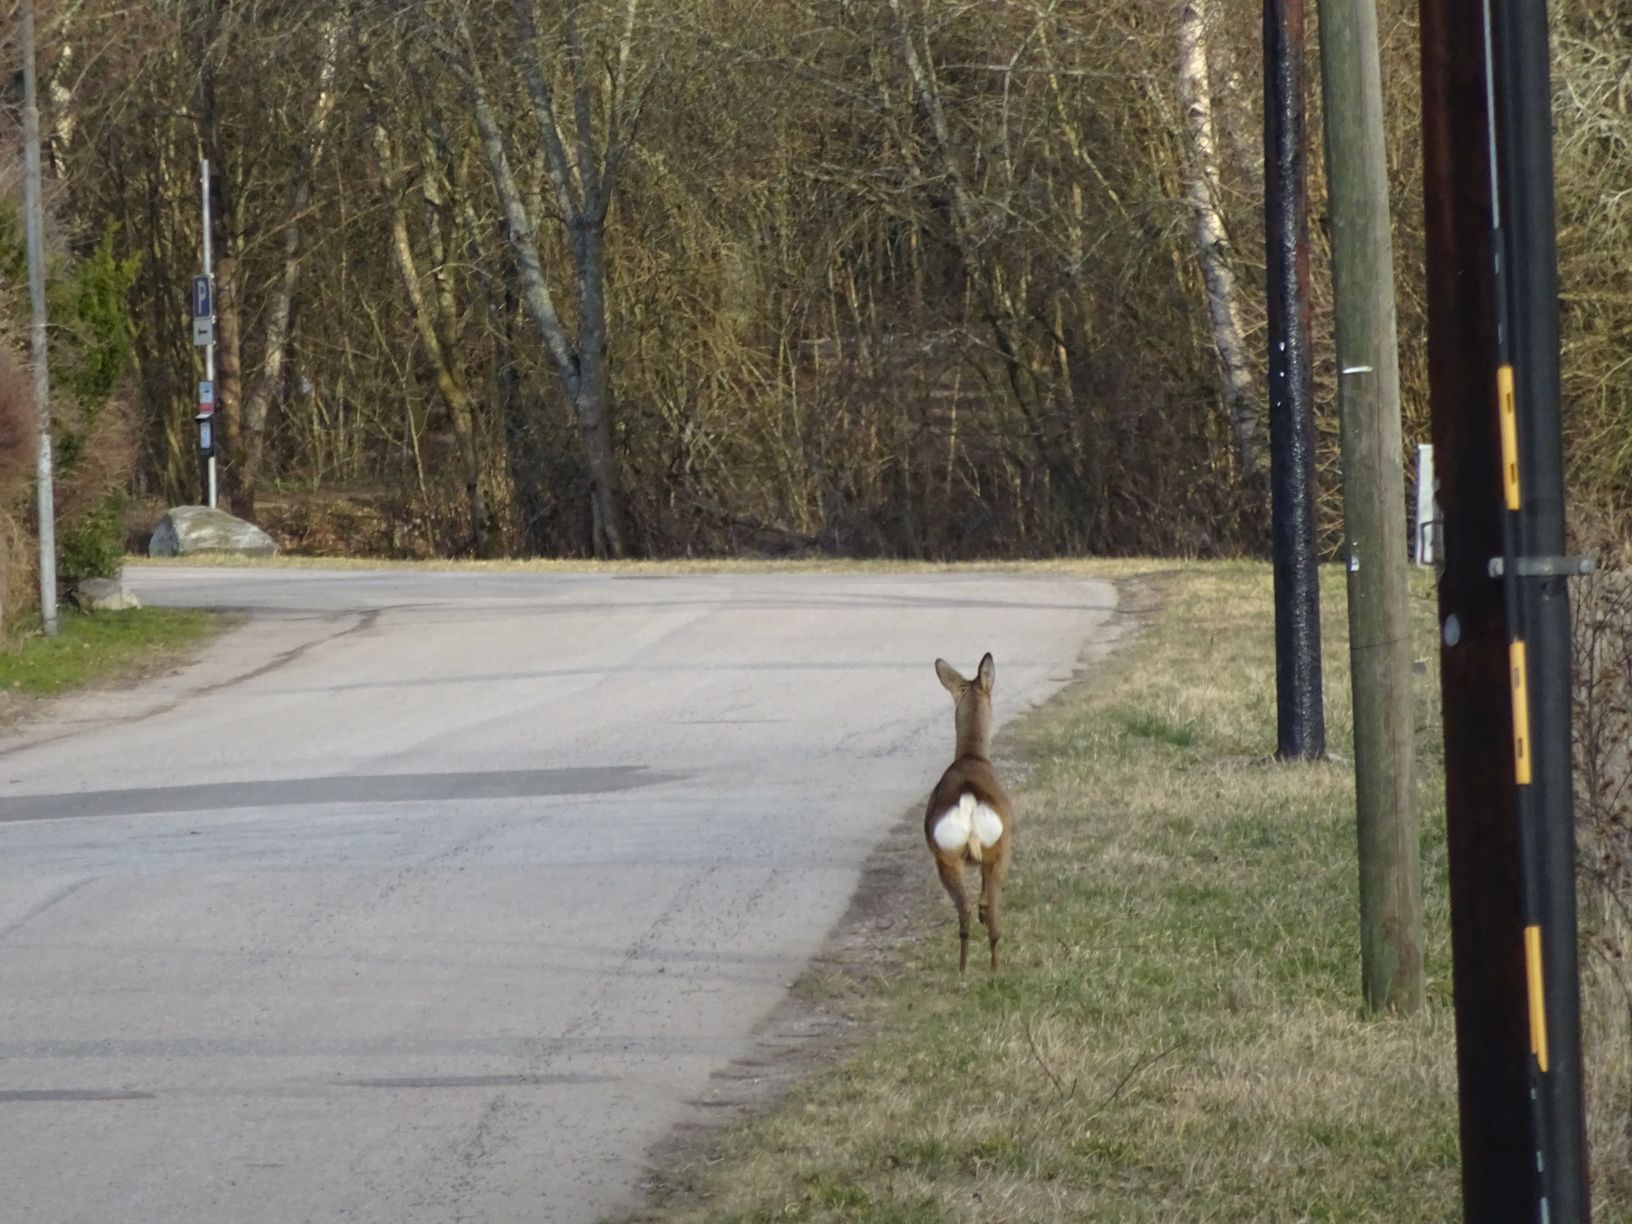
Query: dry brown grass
point(1108, 567)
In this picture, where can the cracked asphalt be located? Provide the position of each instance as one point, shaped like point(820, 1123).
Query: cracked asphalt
point(440, 896)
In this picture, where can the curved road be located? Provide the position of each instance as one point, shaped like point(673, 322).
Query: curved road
point(436, 896)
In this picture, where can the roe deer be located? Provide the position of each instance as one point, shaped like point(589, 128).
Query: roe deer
point(969, 818)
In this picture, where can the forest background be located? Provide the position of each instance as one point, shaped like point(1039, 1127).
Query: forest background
point(614, 277)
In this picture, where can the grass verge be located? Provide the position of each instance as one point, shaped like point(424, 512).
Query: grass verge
point(1177, 1034)
point(103, 648)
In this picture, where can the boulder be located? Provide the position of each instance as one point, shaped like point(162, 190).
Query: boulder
point(185, 530)
point(104, 595)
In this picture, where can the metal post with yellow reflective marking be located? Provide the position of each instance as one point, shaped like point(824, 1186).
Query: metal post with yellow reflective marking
point(1538, 1005)
point(1534, 591)
point(1504, 609)
point(1510, 435)
point(1521, 715)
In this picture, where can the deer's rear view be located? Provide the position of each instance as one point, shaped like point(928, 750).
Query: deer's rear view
point(969, 819)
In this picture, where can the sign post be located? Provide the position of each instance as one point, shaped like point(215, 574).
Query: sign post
point(34, 226)
point(206, 432)
point(1427, 550)
point(203, 311)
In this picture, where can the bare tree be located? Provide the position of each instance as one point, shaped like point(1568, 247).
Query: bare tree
point(1002, 302)
point(275, 345)
point(582, 171)
point(435, 313)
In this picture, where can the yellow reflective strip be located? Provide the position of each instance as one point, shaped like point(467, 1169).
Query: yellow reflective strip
point(1521, 714)
point(1538, 1011)
point(1510, 435)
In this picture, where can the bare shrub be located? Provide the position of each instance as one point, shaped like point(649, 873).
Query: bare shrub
point(1603, 805)
point(16, 461)
point(1593, 120)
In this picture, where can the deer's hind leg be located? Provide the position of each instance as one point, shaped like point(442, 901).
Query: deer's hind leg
point(991, 894)
point(952, 880)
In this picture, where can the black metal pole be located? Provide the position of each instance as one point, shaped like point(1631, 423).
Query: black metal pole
point(1504, 662)
point(1300, 716)
point(1538, 602)
point(1481, 797)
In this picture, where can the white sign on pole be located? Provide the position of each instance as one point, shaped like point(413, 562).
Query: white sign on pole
point(1427, 508)
point(204, 331)
point(206, 397)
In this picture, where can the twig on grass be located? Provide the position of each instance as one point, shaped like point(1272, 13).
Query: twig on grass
point(1059, 1087)
point(1134, 1070)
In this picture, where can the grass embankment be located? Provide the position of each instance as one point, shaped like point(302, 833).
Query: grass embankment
point(1177, 1034)
point(663, 568)
point(103, 648)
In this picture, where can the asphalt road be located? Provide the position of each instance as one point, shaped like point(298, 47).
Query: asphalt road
point(438, 896)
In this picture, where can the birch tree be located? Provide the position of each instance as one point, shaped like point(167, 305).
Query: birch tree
point(1202, 190)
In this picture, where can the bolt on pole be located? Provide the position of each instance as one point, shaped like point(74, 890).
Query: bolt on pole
point(34, 225)
point(1300, 716)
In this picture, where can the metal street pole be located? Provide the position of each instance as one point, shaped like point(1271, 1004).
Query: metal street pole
point(1534, 578)
point(1301, 719)
point(34, 224)
point(1481, 800)
point(209, 349)
point(1504, 666)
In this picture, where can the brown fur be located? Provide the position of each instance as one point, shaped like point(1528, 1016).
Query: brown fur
point(971, 771)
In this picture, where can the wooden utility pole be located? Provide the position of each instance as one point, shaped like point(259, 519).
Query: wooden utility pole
point(34, 226)
point(1368, 397)
point(1300, 714)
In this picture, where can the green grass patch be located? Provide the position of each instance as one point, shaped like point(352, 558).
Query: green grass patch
point(96, 649)
point(1151, 725)
point(1178, 1031)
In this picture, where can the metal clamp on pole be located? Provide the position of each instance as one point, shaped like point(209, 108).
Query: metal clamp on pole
point(1544, 567)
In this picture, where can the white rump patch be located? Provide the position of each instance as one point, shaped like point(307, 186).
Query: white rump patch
point(956, 827)
point(970, 826)
point(988, 824)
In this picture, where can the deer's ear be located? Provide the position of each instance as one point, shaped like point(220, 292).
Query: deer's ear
point(955, 684)
point(987, 673)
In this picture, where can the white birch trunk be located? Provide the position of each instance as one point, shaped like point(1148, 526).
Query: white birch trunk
point(1212, 241)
